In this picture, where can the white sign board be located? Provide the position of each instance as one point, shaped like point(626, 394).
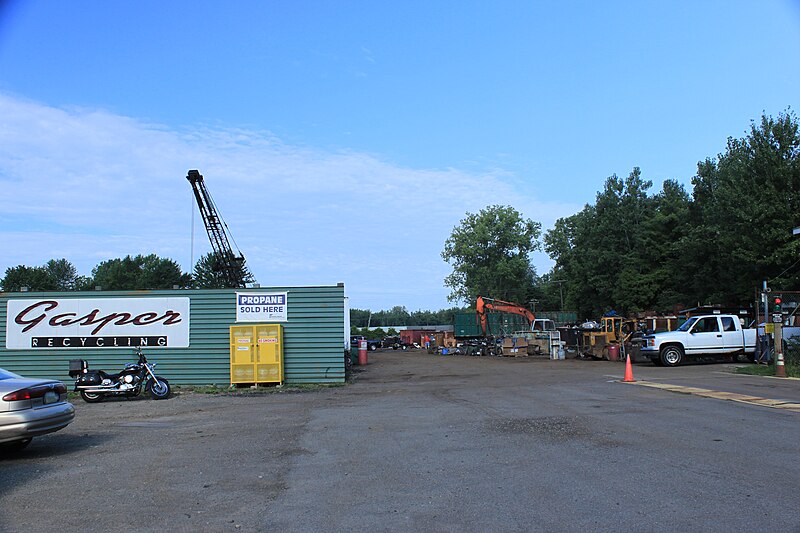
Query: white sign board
point(97, 323)
point(261, 307)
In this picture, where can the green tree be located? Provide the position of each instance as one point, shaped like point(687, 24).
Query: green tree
point(423, 318)
point(396, 316)
point(140, 272)
point(666, 238)
point(548, 291)
point(359, 318)
point(55, 275)
point(572, 244)
point(399, 316)
point(601, 253)
point(745, 204)
point(207, 273)
point(33, 278)
point(624, 209)
point(490, 255)
point(117, 274)
point(447, 316)
point(63, 273)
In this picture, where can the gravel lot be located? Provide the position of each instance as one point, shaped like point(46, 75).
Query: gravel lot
point(423, 443)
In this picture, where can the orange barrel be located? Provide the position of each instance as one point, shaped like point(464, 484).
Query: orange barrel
point(362, 352)
point(613, 352)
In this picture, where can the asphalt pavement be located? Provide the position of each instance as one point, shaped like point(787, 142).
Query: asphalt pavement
point(420, 442)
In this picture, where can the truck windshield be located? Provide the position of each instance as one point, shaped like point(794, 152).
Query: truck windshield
point(543, 325)
point(688, 324)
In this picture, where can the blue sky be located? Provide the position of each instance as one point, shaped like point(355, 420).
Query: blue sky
point(342, 141)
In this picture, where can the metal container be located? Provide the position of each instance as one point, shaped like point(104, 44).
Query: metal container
point(561, 318)
point(498, 324)
point(613, 352)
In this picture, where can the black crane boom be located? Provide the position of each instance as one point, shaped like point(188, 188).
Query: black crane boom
point(227, 263)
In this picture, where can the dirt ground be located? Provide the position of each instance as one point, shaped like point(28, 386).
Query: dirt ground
point(421, 443)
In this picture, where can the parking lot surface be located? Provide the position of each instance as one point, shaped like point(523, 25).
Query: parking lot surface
point(425, 443)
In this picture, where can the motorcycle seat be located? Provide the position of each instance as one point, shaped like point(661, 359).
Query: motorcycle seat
point(106, 375)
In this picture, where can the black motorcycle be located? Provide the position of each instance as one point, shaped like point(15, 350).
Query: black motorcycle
point(94, 385)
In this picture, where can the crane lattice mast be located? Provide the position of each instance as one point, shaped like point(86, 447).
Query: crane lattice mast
point(230, 265)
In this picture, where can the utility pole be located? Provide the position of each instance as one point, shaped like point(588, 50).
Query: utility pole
point(777, 319)
point(780, 367)
point(561, 290)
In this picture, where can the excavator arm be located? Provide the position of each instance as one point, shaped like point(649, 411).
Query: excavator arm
point(482, 305)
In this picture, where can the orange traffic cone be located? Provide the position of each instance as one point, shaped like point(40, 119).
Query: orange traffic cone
point(628, 371)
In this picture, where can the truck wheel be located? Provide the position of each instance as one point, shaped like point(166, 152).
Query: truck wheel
point(671, 355)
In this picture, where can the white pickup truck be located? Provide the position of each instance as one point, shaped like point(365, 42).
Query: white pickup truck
point(703, 335)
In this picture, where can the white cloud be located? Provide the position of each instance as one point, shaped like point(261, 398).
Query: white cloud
point(90, 185)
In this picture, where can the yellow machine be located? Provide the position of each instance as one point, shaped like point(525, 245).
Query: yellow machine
point(615, 331)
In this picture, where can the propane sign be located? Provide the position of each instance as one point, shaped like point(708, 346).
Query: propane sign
point(261, 307)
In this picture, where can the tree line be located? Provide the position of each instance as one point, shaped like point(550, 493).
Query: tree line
point(400, 316)
point(633, 250)
point(128, 273)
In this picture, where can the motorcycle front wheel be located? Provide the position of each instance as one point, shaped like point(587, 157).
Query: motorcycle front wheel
point(159, 389)
point(91, 397)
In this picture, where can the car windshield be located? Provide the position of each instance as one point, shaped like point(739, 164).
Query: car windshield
point(688, 324)
point(5, 374)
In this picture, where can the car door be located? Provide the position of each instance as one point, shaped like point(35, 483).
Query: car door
point(732, 338)
point(705, 337)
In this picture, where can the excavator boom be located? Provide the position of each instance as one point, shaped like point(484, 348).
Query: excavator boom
point(490, 304)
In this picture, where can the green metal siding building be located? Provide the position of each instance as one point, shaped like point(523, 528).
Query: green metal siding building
point(313, 333)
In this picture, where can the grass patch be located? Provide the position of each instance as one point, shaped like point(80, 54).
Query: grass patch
point(792, 371)
point(260, 389)
point(238, 391)
point(199, 389)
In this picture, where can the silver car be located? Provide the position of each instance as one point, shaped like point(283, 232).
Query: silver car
point(30, 407)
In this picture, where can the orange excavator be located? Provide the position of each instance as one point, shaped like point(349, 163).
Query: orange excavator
point(490, 304)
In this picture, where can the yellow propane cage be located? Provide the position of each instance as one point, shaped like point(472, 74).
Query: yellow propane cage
point(257, 353)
